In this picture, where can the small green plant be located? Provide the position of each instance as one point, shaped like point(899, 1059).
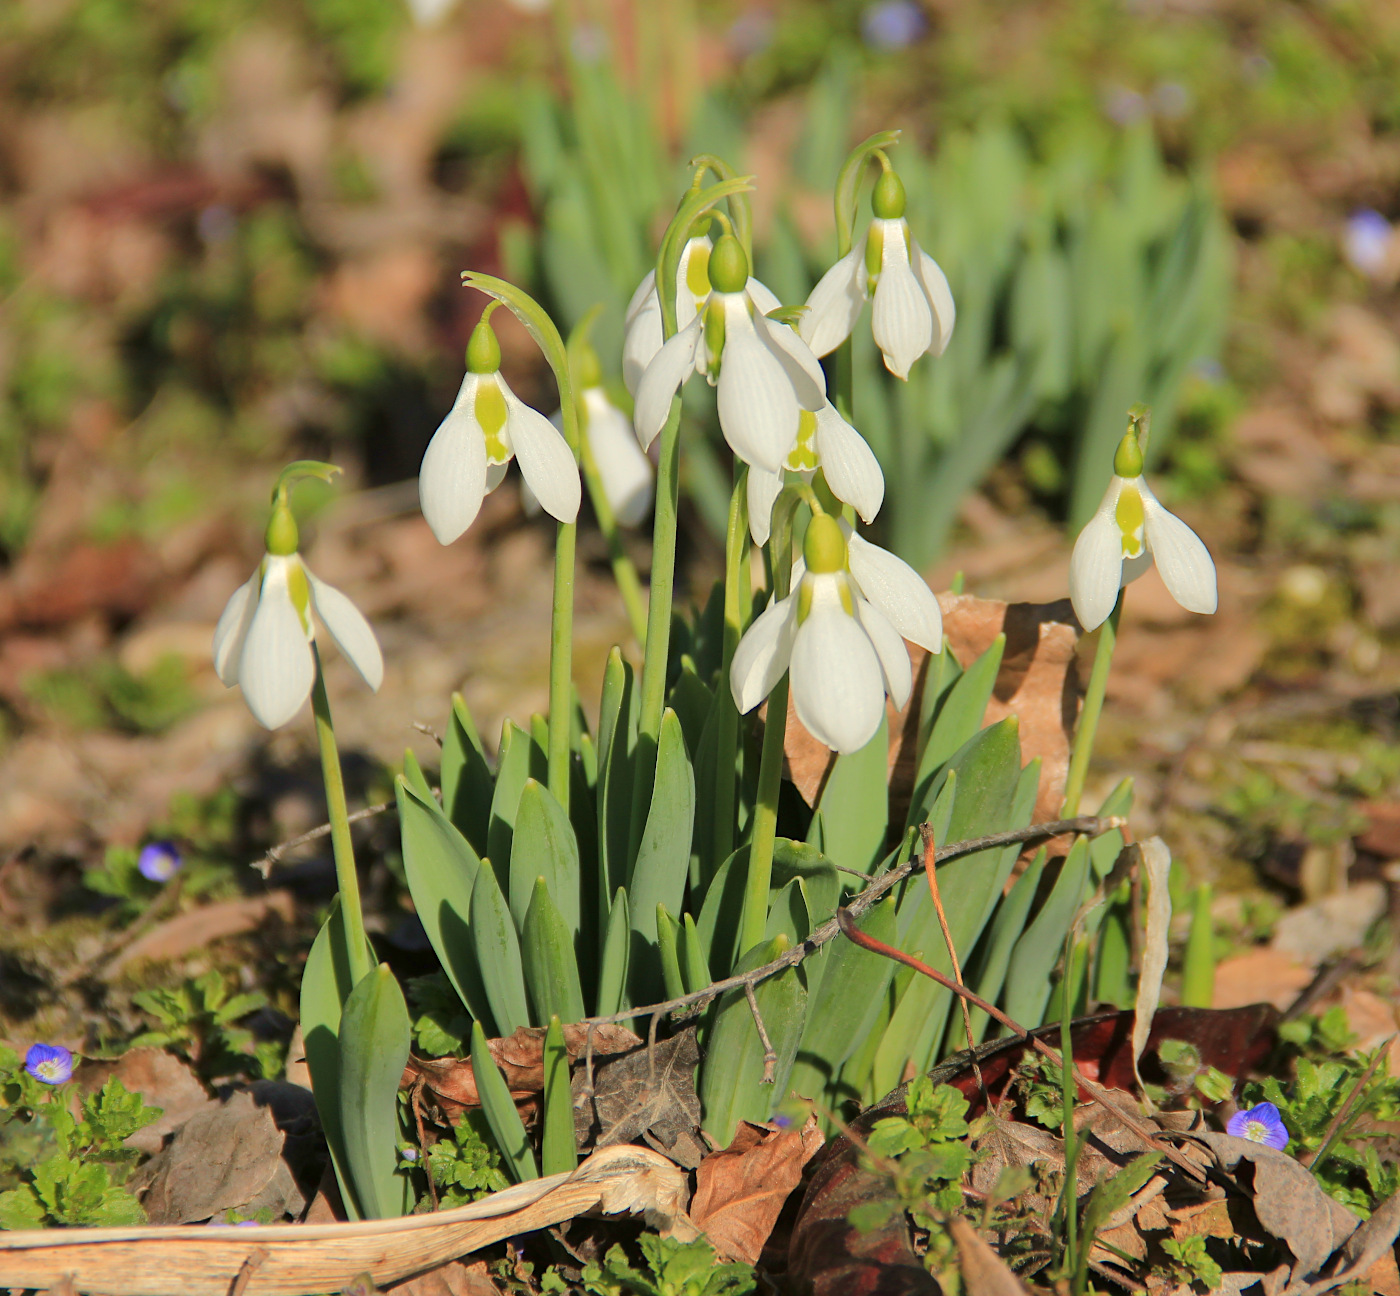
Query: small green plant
point(441, 1024)
point(1041, 1084)
point(1188, 1078)
point(1191, 1263)
point(465, 1166)
point(670, 1268)
point(197, 1020)
point(80, 1182)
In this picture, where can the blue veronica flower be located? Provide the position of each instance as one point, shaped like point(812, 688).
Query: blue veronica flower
point(1367, 241)
point(159, 861)
point(1261, 1124)
point(893, 25)
point(51, 1064)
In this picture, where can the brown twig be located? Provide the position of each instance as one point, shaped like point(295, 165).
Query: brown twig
point(1095, 1090)
point(770, 1058)
point(1313, 1159)
point(275, 853)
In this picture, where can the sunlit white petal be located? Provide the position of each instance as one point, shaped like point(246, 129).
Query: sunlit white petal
point(1180, 554)
point(902, 321)
point(889, 647)
point(757, 407)
point(850, 466)
point(898, 592)
point(940, 297)
point(1096, 565)
point(833, 306)
point(762, 655)
point(764, 487)
point(803, 368)
point(348, 627)
point(276, 670)
point(671, 366)
point(624, 469)
point(232, 630)
point(837, 683)
point(642, 339)
point(762, 296)
point(452, 479)
point(544, 458)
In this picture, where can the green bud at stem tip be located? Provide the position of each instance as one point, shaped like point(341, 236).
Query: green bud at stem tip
point(483, 351)
point(888, 199)
point(824, 546)
point(281, 536)
point(729, 267)
point(1127, 460)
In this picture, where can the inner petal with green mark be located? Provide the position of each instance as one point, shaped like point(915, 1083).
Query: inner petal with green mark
point(491, 415)
point(874, 251)
point(803, 455)
point(1130, 516)
point(714, 335)
point(697, 271)
point(300, 590)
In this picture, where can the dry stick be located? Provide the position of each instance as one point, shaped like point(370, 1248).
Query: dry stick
point(1089, 825)
point(1313, 1159)
point(1097, 1091)
point(275, 853)
point(770, 1058)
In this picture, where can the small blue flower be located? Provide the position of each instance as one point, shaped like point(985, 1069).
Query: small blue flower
point(51, 1064)
point(1367, 241)
point(1260, 1124)
point(407, 1152)
point(892, 25)
point(159, 861)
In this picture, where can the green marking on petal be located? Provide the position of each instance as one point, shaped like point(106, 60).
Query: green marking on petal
point(300, 590)
point(714, 334)
point(803, 455)
point(697, 272)
point(1130, 516)
point(491, 413)
point(874, 251)
point(804, 600)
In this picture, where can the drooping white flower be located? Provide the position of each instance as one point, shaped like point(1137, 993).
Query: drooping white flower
point(913, 311)
point(263, 640)
point(839, 633)
point(1131, 530)
point(625, 472)
point(642, 324)
point(487, 426)
point(827, 442)
point(764, 373)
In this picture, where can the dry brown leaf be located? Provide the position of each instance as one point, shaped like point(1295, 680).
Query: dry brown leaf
point(984, 1273)
point(1382, 834)
point(162, 1080)
point(452, 1279)
point(1259, 976)
point(740, 1191)
point(200, 927)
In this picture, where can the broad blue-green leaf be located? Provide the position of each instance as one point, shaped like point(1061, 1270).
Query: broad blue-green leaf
point(374, 1043)
point(520, 758)
point(617, 947)
point(617, 741)
point(692, 702)
point(720, 912)
point(498, 954)
point(731, 1081)
point(854, 805)
point(987, 972)
point(499, 1109)
point(787, 914)
point(467, 781)
point(694, 971)
point(1104, 849)
point(558, 1151)
point(668, 935)
point(1028, 983)
point(539, 731)
point(544, 846)
point(413, 775)
point(821, 883)
point(442, 869)
point(547, 955)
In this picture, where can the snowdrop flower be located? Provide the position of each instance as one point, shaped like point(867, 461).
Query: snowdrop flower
point(488, 426)
point(913, 311)
point(1261, 1124)
point(50, 1064)
point(765, 374)
point(642, 338)
point(839, 634)
point(263, 640)
point(825, 442)
point(1121, 540)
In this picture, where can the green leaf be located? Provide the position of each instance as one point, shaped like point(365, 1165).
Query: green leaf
point(544, 845)
point(787, 913)
point(720, 912)
point(668, 946)
point(550, 965)
point(498, 954)
point(558, 1152)
point(520, 758)
point(663, 858)
point(413, 775)
point(693, 969)
point(499, 1109)
point(1028, 978)
point(374, 1044)
point(854, 805)
point(692, 702)
point(467, 781)
point(617, 741)
point(442, 869)
point(986, 974)
point(617, 945)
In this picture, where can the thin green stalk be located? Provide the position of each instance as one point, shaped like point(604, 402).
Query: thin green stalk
point(338, 813)
point(1093, 707)
point(624, 573)
point(736, 604)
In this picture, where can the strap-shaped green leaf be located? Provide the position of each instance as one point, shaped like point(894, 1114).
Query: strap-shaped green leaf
point(467, 781)
point(543, 845)
point(692, 701)
point(855, 805)
point(617, 741)
point(1104, 849)
point(374, 1043)
point(668, 933)
point(498, 954)
point(1028, 979)
point(987, 972)
point(520, 758)
point(499, 1109)
point(787, 913)
point(442, 868)
point(693, 969)
point(413, 774)
point(558, 1151)
point(718, 927)
point(550, 964)
point(617, 948)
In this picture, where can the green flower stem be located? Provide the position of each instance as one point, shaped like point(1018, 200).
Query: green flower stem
point(1093, 707)
point(338, 814)
point(624, 573)
point(736, 604)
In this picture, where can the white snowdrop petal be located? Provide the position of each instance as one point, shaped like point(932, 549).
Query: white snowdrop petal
point(803, 368)
point(544, 458)
point(837, 685)
point(850, 466)
point(276, 672)
point(764, 487)
point(762, 296)
point(452, 479)
point(762, 655)
point(902, 321)
point(1181, 556)
point(940, 297)
point(232, 630)
point(641, 298)
point(642, 338)
point(890, 649)
point(670, 367)
point(757, 408)
point(1096, 565)
point(624, 469)
point(833, 306)
point(897, 592)
point(349, 628)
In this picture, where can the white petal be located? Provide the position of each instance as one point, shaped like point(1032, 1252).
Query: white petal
point(232, 630)
point(348, 627)
point(686, 303)
point(889, 648)
point(763, 491)
point(762, 296)
point(903, 319)
point(940, 297)
point(803, 368)
point(276, 670)
point(898, 592)
point(625, 470)
point(1096, 565)
point(833, 306)
point(850, 466)
point(1180, 554)
point(452, 480)
point(757, 407)
point(837, 685)
point(642, 339)
point(495, 475)
point(544, 458)
point(762, 655)
point(670, 367)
